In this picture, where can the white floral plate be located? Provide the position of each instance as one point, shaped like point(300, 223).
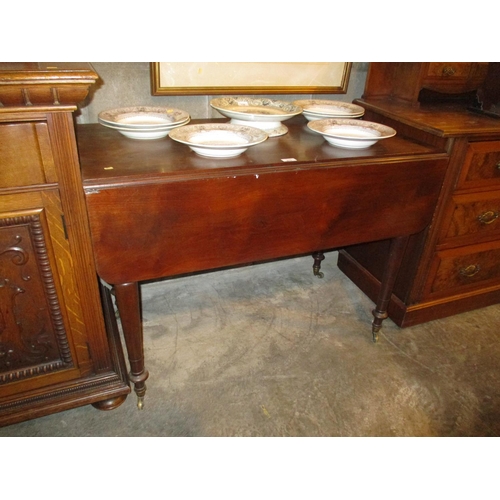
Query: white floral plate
point(218, 140)
point(149, 134)
point(145, 134)
point(143, 122)
point(317, 109)
point(143, 117)
point(265, 114)
point(351, 133)
point(118, 126)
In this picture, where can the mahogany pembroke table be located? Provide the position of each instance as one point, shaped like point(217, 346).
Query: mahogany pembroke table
point(157, 209)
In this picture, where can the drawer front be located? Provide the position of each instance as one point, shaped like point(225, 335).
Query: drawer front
point(25, 155)
point(481, 166)
point(456, 70)
point(454, 77)
point(466, 268)
point(476, 215)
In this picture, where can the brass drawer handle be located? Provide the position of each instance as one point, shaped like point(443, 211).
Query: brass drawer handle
point(469, 271)
point(498, 165)
point(488, 217)
point(448, 71)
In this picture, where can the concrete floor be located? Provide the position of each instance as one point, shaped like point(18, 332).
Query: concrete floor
point(271, 350)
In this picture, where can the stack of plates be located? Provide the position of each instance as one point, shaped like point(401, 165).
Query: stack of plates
point(265, 114)
point(143, 122)
point(319, 109)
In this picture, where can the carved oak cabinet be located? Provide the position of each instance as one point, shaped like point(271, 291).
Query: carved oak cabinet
point(58, 344)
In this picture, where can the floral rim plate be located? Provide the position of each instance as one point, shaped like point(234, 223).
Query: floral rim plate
point(351, 134)
point(316, 109)
point(136, 129)
point(259, 110)
point(146, 133)
point(143, 117)
point(218, 140)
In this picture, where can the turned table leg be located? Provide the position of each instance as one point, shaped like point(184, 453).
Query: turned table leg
point(318, 257)
point(129, 308)
point(396, 252)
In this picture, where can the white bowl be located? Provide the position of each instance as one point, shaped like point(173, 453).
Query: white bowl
point(117, 126)
point(351, 133)
point(265, 114)
point(146, 133)
point(218, 140)
point(318, 109)
point(143, 122)
point(142, 117)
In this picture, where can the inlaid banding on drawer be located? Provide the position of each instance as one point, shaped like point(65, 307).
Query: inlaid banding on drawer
point(481, 165)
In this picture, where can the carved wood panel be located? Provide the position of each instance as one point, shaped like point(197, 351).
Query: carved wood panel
point(33, 337)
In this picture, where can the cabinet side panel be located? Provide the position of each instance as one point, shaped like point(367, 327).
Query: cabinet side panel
point(64, 148)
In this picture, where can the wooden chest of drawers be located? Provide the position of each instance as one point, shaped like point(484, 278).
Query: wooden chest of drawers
point(454, 266)
point(468, 250)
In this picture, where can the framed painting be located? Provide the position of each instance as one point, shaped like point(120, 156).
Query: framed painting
point(198, 78)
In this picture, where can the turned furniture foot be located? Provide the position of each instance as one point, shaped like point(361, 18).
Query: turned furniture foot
point(318, 257)
point(109, 404)
point(396, 252)
point(129, 307)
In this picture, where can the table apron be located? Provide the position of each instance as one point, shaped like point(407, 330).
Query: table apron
point(147, 231)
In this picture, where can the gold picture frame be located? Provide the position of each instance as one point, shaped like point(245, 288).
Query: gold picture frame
point(249, 78)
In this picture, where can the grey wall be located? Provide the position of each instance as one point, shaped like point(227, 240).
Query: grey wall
point(128, 84)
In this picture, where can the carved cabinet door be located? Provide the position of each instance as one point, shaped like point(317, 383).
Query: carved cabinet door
point(42, 335)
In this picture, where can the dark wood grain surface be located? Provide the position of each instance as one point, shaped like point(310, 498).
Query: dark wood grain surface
point(157, 209)
point(449, 120)
point(107, 157)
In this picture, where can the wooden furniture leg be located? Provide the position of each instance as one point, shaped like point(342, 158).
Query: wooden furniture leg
point(396, 252)
point(129, 308)
point(318, 257)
